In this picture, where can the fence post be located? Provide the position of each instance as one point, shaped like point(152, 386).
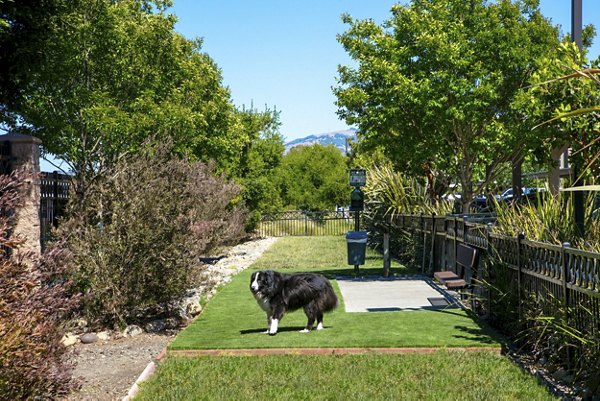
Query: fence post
point(455, 244)
point(424, 243)
point(563, 279)
point(306, 224)
point(386, 253)
point(520, 237)
point(485, 274)
point(432, 255)
point(54, 198)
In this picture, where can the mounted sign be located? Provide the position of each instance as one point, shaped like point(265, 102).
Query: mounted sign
point(357, 200)
point(358, 177)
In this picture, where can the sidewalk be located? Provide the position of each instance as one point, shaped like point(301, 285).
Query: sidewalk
point(381, 294)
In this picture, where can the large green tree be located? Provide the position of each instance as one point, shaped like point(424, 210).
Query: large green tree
point(433, 85)
point(313, 177)
point(563, 104)
point(115, 73)
point(25, 27)
point(260, 158)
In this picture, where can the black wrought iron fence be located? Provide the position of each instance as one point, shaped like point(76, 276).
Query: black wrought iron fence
point(54, 194)
point(304, 223)
point(564, 282)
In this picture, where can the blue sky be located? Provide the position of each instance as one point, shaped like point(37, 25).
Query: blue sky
point(284, 53)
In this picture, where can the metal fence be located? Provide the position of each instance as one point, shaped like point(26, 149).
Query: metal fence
point(54, 193)
point(564, 282)
point(304, 223)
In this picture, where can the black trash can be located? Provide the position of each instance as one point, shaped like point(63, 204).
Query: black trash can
point(357, 247)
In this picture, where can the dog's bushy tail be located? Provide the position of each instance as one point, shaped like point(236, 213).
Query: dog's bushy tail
point(328, 301)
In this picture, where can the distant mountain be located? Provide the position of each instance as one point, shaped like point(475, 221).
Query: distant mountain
point(337, 138)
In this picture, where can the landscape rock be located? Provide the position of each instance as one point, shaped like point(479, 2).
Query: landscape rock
point(104, 335)
point(69, 339)
point(560, 374)
point(193, 308)
point(132, 331)
point(88, 338)
point(156, 326)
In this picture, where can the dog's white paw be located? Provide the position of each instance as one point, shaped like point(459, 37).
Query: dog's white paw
point(274, 326)
point(304, 331)
point(320, 326)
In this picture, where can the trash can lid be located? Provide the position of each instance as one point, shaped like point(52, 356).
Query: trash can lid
point(356, 235)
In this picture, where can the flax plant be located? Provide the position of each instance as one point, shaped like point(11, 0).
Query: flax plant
point(393, 193)
point(550, 218)
point(390, 194)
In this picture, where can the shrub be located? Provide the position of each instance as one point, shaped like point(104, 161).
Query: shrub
point(34, 301)
point(135, 238)
point(549, 218)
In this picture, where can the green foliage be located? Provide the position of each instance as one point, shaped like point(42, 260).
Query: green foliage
point(135, 241)
point(550, 218)
point(563, 107)
point(313, 178)
point(34, 303)
point(24, 29)
point(115, 73)
point(435, 82)
point(260, 157)
point(391, 193)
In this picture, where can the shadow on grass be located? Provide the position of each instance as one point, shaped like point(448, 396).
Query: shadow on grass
point(480, 334)
point(263, 330)
point(280, 330)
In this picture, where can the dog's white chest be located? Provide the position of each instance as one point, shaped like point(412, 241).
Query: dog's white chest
point(263, 303)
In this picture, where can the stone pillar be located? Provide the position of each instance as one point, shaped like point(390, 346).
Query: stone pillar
point(25, 154)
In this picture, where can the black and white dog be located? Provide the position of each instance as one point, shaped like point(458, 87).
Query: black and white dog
point(278, 293)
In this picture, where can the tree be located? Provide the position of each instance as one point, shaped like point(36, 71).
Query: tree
point(115, 73)
point(260, 157)
point(435, 82)
point(25, 27)
point(313, 178)
point(563, 105)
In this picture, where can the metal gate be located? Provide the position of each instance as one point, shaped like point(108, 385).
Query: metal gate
point(54, 191)
point(305, 223)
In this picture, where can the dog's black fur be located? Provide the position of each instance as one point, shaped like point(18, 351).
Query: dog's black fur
point(278, 293)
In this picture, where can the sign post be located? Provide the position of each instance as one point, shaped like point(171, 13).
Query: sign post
point(356, 239)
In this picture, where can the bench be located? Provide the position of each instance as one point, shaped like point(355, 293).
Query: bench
point(466, 264)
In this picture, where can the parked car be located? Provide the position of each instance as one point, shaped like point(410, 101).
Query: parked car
point(526, 193)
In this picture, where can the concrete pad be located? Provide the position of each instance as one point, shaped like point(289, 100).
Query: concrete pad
point(380, 294)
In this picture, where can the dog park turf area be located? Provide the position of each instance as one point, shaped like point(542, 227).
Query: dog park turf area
point(232, 320)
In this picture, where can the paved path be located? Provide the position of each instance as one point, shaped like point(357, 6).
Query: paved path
point(377, 294)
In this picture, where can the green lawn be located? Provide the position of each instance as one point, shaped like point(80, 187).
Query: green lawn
point(233, 320)
point(440, 376)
